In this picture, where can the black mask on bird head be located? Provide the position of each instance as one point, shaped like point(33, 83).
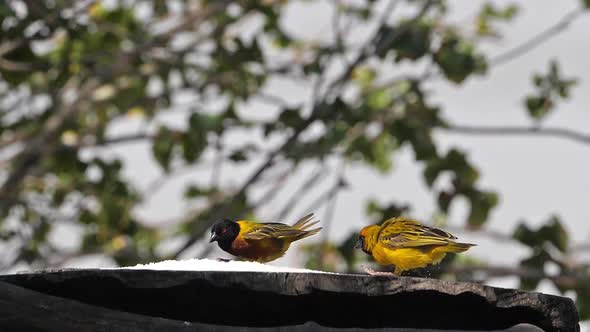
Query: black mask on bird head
point(360, 244)
point(224, 232)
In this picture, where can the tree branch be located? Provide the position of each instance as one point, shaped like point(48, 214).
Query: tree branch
point(326, 196)
point(537, 40)
point(307, 185)
point(272, 192)
point(9, 65)
point(580, 247)
point(271, 99)
point(217, 163)
point(524, 131)
point(154, 186)
point(329, 212)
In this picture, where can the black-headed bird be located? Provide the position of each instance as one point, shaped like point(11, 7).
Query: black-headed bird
point(260, 242)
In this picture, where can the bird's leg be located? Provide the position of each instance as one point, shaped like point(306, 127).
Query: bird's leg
point(372, 272)
point(223, 260)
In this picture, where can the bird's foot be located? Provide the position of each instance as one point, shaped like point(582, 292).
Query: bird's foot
point(223, 260)
point(372, 272)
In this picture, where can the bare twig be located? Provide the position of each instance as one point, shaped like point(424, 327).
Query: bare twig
point(9, 46)
point(218, 163)
point(9, 65)
point(580, 247)
point(272, 193)
point(538, 39)
point(307, 185)
point(321, 78)
point(338, 40)
point(387, 41)
point(156, 185)
point(272, 99)
point(326, 196)
point(331, 198)
point(515, 130)
point(329, 213)
point(330, 207)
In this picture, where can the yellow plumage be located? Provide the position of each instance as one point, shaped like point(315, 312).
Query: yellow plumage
point(407, 244)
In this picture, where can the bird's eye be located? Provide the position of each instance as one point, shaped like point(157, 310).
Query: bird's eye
point(223, 230)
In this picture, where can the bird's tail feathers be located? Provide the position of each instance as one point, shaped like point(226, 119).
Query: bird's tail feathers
point(457, 247)
point(309, 233)
point(305, 223)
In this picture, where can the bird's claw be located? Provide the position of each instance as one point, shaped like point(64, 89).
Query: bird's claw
point(223, 260)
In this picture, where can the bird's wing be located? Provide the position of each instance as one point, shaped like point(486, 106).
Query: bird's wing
point(260, 231)
point(404, 233)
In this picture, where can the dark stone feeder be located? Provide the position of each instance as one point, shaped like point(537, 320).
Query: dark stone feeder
point(152, 300)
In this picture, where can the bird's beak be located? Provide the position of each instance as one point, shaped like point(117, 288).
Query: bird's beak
point(213, 238)
point(359, 244)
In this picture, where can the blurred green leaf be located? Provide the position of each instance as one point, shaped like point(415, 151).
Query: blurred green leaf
point(536, 263)
point(380, 99)
point(382, 148)
point(163, 147)
point(194, 191)
point(364, 76)
point(481, 205)
point(583, 298)
point(290, 118)
point(538, 107)
point(549, 89)
point(381, 213)
point(414, 42)
point(458, 59)
point(490, 13)
point(454, 161)
point(551, 232)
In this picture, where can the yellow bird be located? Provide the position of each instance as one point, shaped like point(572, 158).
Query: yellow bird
point(261, 242)
point(407, 244)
